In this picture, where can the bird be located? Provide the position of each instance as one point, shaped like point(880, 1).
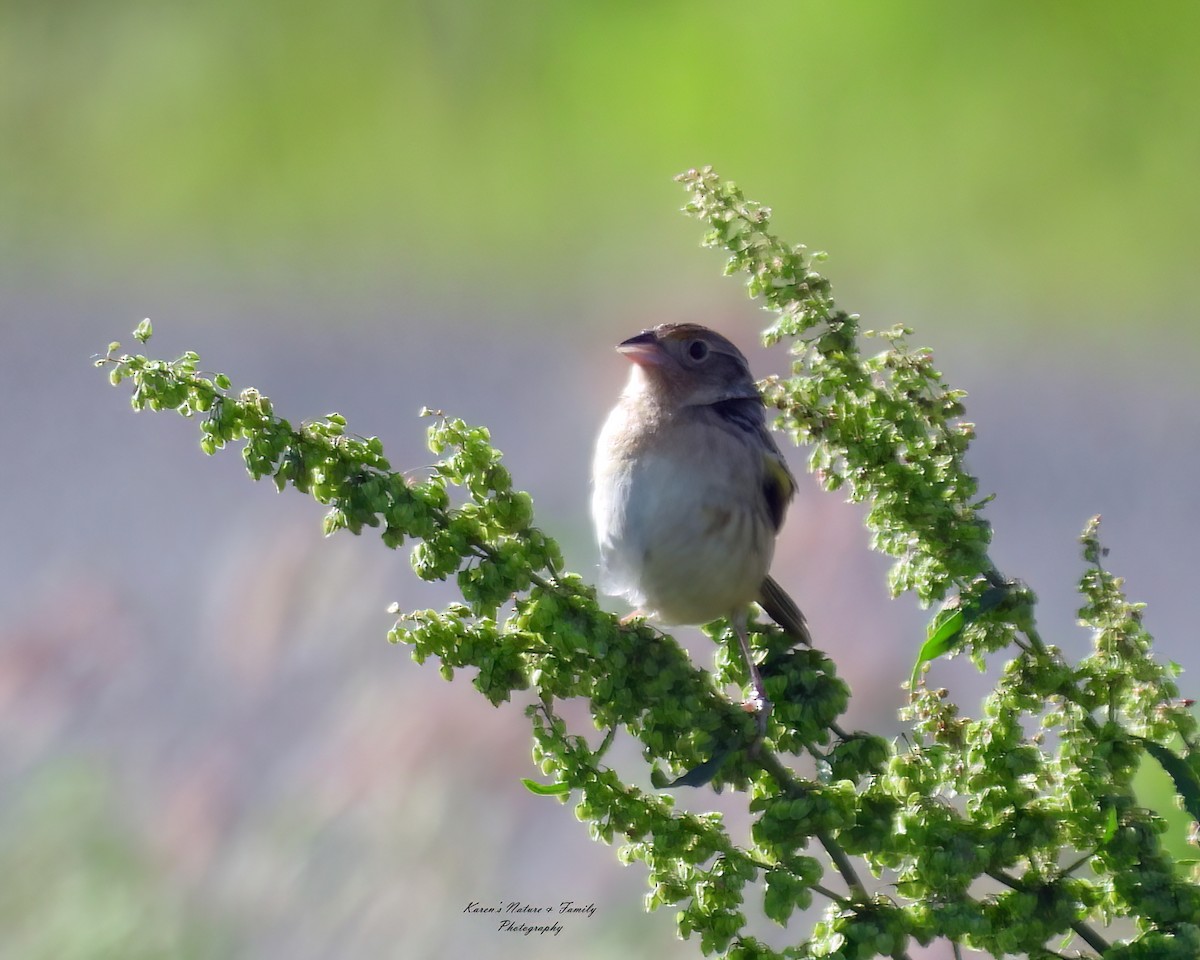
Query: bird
point(689, 491)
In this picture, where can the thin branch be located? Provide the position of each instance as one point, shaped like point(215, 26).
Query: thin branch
point(1085, 933)
point(843, 864)
point(826, 892)
point(823, 890)
point(1091, 937)
point(1075, 865)
point(784, 777)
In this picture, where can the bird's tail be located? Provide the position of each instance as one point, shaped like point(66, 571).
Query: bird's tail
point(783, 610)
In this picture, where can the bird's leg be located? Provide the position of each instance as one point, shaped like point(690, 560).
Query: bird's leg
point(759, 705)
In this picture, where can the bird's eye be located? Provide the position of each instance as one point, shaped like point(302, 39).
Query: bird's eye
point(697, 350)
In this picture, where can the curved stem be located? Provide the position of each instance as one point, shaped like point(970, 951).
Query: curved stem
point(843, 865)
point(1085, 933)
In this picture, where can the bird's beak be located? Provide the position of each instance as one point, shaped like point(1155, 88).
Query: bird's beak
point(643, 349)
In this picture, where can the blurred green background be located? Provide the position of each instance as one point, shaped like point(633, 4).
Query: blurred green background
point(1021, 155)
point(206, 748)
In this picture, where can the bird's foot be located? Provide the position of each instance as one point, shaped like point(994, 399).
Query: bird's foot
point(761, 707)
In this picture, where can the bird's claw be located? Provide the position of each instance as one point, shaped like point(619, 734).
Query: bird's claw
point(761, 707)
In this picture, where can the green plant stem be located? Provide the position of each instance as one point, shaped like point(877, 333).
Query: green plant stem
point(887, 429)
point(1086, 933)
point(830, 894)
point(843, 865)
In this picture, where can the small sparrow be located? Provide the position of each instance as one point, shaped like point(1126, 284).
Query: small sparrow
point(689, 490)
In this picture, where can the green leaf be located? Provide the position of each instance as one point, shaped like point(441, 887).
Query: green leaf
point(546, 789)
point(948, 626)
point(1187, 784)
point(699, 776)
point(144, 331)
point(1110, 824)
point(943, 633)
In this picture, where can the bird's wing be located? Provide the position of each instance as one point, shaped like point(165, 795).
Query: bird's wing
point(778, 485)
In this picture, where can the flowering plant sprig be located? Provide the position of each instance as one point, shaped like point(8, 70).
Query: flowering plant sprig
point(1017, 832)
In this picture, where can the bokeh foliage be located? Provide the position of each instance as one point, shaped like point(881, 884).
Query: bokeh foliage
point(1017, 832)
point(81, 884)
point(1042, 155)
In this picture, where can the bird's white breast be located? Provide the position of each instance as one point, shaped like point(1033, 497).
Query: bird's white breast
point(677, 507)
